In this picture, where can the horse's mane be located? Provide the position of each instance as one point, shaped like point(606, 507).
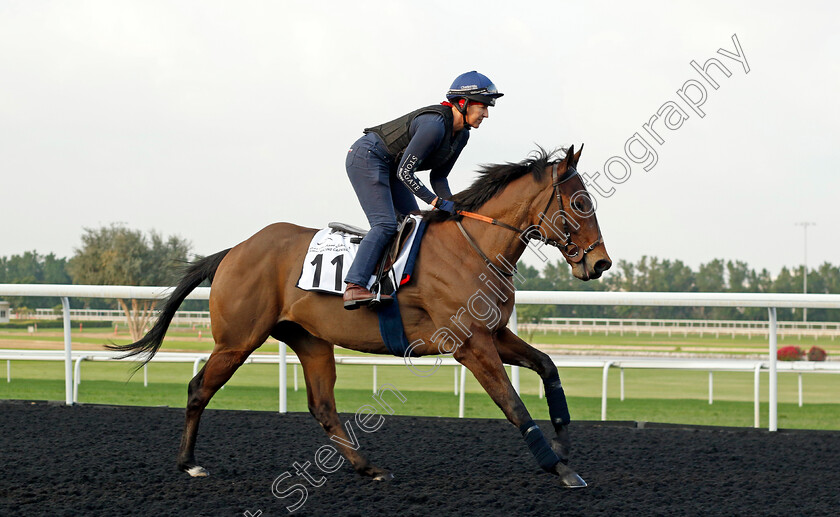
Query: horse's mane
point(492, 179)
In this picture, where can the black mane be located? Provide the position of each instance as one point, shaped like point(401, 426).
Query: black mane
point(492, 179)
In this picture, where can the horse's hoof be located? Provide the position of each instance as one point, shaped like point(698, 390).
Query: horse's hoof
point(568, 477)
point(197, 472)
point(384, 476)
point(573, 481)
point(376, 473)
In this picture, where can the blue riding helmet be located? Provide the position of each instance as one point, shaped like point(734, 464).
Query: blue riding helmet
point(474, 86)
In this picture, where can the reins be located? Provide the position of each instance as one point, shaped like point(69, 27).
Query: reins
point(477, 249)
point(568, 248)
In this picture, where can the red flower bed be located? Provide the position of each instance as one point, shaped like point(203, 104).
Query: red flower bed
point(816, 354)
point(790, 353)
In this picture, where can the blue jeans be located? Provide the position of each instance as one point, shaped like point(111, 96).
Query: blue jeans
point(372, 172)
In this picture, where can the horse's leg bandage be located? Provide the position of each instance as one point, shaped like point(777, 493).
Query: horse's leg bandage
point(558, 409)
point(539, 446)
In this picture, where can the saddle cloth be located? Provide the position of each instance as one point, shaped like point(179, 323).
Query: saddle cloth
point(331, 252)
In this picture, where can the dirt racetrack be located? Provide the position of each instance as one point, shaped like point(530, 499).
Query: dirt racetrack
point(105, 460)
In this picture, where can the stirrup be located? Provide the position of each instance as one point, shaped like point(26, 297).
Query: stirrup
point(352, 305)
point(378, 302)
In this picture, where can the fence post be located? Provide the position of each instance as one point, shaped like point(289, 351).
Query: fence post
point(711, 386)
point(514, 370)
point(198, 361)
point(774, 415)
point(456, 381)
point(622, 383)
point(604, 390)
point(800, 389)
point(282, 362)
point(78, 378)
point(68, 353)
point(461, 401)
point(756, 391)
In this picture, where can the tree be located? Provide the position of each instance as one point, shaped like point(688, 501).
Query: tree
point(738, 274)
point(710, 277)
point(825, 279)
point(33, 268)
point(115, 255)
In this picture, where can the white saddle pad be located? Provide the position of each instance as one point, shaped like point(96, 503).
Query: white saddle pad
point(330, 255)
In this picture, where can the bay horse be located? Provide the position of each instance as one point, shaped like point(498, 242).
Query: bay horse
point(510, 207)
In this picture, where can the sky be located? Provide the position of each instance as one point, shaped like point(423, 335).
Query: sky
point(210, 120)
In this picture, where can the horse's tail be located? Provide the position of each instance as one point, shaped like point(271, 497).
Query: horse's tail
point(195, 273)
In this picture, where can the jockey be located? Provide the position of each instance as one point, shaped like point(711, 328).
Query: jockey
point(382, 165)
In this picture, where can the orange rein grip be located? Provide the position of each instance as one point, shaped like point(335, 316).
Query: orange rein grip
point(478, 217)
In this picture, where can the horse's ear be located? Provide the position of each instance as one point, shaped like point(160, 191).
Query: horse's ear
point(570, 155)
point(576, 156)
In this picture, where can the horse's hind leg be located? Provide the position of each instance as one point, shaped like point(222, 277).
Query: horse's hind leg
point(216, 372)
point(318, 362)
point(515, 351)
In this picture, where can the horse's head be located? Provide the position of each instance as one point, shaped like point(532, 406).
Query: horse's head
point(565, 218)
point(548, 196)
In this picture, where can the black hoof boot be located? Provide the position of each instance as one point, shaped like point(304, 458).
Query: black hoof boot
point(561, 450)
point(562, 444)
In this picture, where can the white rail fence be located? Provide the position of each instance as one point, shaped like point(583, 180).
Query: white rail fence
point(769, 301)
point(606, 326)
point(637, 326)
point(115, 315)
point(604, 363)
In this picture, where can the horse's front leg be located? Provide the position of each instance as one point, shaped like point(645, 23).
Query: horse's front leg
point(517, 352)
point(480, 356)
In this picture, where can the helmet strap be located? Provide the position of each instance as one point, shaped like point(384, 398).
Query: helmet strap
point(463, 110)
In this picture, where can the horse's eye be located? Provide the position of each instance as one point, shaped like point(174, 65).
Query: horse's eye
point(579, 206)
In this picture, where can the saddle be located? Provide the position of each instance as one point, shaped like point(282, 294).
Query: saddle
point(348, 229)
point(384, 283)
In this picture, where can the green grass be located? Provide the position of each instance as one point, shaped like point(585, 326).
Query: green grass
point(674, 396)
point(181, 339)
point(426, 403)
point(651, 395)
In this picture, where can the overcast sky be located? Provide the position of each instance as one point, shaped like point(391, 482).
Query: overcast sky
point(210, 119)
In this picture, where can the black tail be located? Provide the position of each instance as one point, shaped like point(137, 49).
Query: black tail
point(195, 274)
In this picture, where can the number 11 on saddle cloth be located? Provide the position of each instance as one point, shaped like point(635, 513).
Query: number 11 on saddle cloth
point(331, 253)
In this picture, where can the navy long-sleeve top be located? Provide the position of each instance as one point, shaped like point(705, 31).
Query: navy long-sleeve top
point(427, 150)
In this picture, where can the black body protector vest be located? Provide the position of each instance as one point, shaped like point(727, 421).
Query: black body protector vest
point(396, 138)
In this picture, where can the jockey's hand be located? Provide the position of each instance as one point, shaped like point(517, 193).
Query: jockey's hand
point(445, 205)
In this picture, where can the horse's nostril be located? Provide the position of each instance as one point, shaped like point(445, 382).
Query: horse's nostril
point(602, 265)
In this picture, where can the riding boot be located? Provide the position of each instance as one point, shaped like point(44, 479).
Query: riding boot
point(356, 296)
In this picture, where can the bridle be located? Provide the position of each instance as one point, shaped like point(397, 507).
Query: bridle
point(570, 250)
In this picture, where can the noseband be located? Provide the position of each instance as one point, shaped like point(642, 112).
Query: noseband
point(571, 251)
